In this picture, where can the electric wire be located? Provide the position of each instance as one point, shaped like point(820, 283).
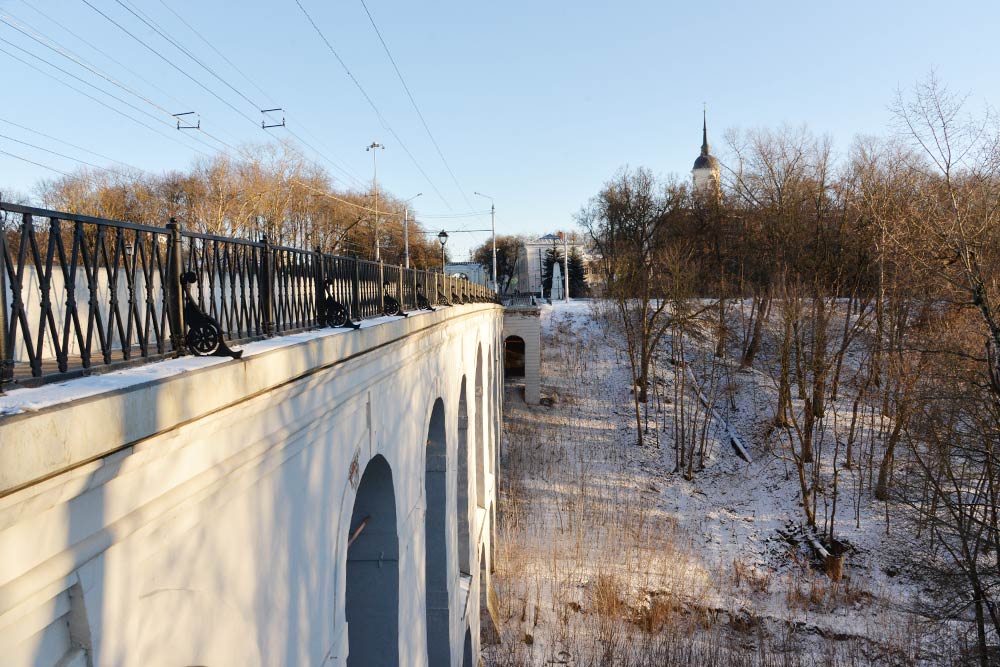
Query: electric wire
point(416, 108)
point(95, 48)
point(99, 101)
point(62, 155)
point(266, 96)
point(71, 145)
point(37, 164)
point(61, 50)
point(155, 28)
point(69, 55)
point(149, 22)
point(217, 51)
point(54, 46)
point(171, 63)
point(371, 103)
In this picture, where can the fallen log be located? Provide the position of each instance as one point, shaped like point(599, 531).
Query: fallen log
point(734, 439)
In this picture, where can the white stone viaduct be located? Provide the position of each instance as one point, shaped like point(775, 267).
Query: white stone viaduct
point(201, 511)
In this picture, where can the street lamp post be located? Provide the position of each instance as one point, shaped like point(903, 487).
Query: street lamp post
point(493, 229)
point(442, 239)
point(374, 149)
point(406, 229)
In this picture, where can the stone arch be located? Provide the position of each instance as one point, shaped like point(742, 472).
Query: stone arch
point(490, 411)
point(372, 572)
point(513, 357)
point(435, 539)
point(480, 471)
point(487, 622)
point(462, 497)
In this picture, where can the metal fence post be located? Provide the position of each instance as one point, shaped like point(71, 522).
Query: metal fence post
point(266, 282)
point(175, 291)
point(6, 346)
point(399, 289)
point(320, 274)
point(381, 287)
point(415, 300)
point(356, 290)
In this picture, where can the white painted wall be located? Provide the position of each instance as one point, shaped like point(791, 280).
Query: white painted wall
point(525, 322)
point(210, 526)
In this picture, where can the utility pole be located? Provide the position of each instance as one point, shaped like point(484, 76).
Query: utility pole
point(374, 148)
point(566, 265)
point(406, 228)
point(493, 230)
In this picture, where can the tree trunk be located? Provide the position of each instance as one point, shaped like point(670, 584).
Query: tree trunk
point(763, 305)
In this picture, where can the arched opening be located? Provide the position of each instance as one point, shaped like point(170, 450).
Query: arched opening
point(488, 628)
point(480, 472)
point(372, 594)
point(467, 650)
point(513, 357)
point(462, 513)
point(490, 407)
point(435, 540)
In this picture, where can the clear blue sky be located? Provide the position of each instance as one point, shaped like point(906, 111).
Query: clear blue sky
point(534, 103)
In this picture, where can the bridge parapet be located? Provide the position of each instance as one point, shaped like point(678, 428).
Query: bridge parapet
point(201, 510)
point(79, 293)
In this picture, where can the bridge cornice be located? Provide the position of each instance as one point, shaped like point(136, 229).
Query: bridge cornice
point(53, 429)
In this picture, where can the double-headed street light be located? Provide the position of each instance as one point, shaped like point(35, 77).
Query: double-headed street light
point(406, 229)
point(442, 239)
point(493, 229)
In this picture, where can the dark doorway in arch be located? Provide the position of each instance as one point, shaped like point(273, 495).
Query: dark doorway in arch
point(513, 357)
point(435, 541)
point(372, 595)
point(467, 650)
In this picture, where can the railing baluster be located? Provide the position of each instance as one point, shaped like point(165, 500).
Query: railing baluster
point(266, 286)
point(6, 347)
point(175, 296)
point(129, 275)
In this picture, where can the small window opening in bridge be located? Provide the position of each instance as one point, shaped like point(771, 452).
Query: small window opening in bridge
point(372, 595)
point(513, 357)
point(435, 527)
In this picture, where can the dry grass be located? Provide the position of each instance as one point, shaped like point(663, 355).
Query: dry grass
point(592, 572)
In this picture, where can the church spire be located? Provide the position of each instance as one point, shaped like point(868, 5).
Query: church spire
point(706, 168)
point(704, 131)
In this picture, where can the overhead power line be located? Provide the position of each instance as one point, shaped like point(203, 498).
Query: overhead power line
point(99, 101)
point(62, 155)
point(66, 143)
point(162, 32)
point(169, 62)
point(210, 45)
point(371, 103)
point(94, 47)
point(416, 108)
point(155, 28)
point(37, 164)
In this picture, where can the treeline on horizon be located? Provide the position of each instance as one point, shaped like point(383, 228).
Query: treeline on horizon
point(269, 190)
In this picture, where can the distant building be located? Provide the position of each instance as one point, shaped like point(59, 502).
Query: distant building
point(473, 271)
point(705, 173)
point(531, 263)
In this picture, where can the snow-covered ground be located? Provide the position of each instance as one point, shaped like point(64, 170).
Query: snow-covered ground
point(609, 557)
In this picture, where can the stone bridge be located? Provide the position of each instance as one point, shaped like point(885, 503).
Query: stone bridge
point(329, 499)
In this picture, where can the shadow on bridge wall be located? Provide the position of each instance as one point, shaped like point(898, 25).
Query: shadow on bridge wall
point(225, 540)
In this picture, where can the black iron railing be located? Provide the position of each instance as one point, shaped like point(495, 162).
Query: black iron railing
point(78, 292)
